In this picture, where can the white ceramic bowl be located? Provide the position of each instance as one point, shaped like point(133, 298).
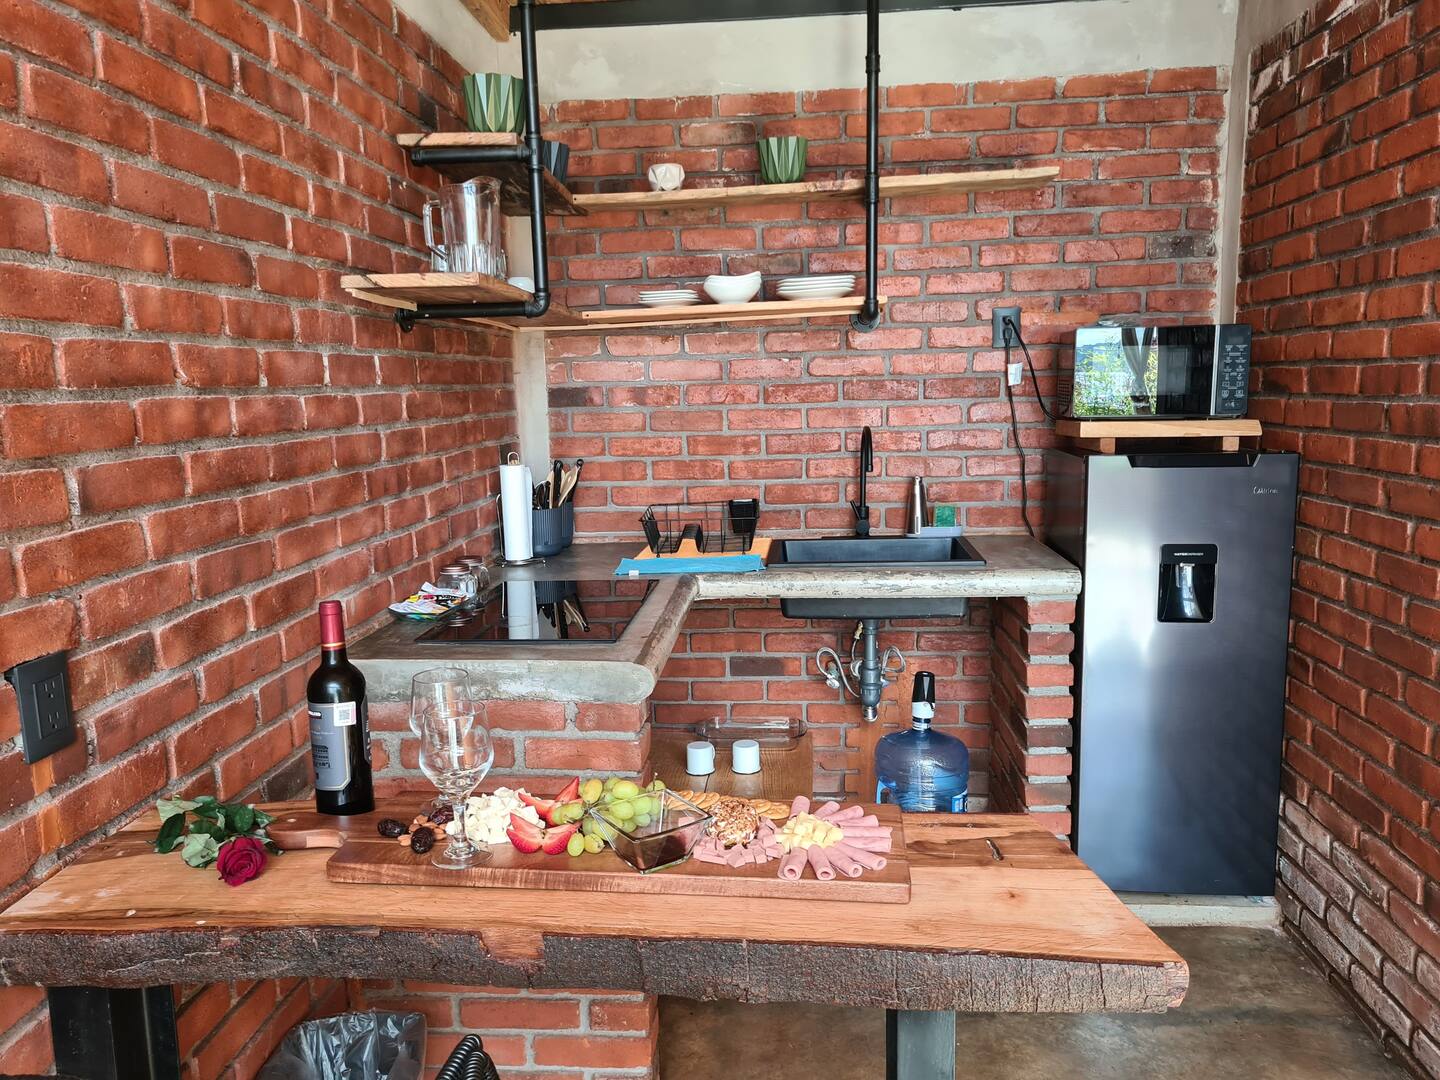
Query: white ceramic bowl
point(732, 288)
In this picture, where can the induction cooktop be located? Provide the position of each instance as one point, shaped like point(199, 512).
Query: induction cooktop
point(543, 612)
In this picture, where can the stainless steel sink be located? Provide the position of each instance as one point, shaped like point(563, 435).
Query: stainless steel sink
point(877, 551)
point(953, 551)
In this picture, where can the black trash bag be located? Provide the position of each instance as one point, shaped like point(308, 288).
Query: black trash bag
point(352, 1046)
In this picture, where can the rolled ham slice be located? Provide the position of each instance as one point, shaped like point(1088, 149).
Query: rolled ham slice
point(801, 805)
point(868, 859)
point(826, 810)
point(866, 843)
point(848, 813)
point(819, 862)
point(865, 821)
point(793, 864)
point(842, 862)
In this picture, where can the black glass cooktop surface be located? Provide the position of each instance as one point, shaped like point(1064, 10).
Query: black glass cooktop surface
point(544, 612)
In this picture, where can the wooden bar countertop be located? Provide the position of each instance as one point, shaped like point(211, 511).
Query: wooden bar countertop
point(1032, 930)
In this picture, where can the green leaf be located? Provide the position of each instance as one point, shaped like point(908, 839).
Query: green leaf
point(241, 818)
point(170, 831)
point(171, 807)
point(209, 828)
point(262, 819)
point(206, 800)
point(207, 813)
point(199, 850)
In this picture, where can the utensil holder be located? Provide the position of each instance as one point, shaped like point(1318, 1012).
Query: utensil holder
point(548, 528)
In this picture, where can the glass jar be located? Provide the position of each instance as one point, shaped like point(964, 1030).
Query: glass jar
point(459, 577)
point(481, 572)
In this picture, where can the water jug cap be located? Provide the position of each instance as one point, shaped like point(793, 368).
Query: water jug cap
point(924, 687)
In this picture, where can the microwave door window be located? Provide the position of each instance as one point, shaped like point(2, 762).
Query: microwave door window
point(1184, 383)
point(1117, 372)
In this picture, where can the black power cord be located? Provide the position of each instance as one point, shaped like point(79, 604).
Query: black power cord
point(1012, 331)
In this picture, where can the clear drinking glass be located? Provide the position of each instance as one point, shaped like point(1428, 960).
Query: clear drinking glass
point(455, 754)
point(447, 689)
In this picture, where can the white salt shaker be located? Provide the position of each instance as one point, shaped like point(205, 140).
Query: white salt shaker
point(699, 758)
point(745, 756)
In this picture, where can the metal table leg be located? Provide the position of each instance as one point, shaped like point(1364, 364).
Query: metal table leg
point(102, 1034)
point(919, 1045)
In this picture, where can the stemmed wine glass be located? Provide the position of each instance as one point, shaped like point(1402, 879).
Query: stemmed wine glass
point(455, 754)
point(447, 689)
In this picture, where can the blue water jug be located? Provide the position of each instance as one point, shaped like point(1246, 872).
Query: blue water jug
point(920, 769)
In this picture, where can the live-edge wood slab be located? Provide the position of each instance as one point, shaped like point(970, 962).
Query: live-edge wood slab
point(1031, 931)
point(368, 858)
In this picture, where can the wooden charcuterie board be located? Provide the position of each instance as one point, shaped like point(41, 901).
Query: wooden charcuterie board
point(365, 857)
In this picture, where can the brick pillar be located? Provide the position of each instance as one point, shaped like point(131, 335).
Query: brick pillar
point(1030, 762)
point(541, 1034)
point(536, 1034)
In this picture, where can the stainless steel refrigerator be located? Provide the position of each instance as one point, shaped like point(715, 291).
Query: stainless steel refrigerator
point(1180, 662)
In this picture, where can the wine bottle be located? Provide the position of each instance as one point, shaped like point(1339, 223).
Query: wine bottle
point(339, 725)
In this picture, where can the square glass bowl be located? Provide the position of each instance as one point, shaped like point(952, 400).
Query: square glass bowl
point(652, 830)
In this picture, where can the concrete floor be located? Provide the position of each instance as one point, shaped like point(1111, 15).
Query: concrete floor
point(1256, 1009)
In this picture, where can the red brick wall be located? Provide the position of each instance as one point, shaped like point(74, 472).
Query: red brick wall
point(200, 435)
point(1338, 278)
point(775, 412)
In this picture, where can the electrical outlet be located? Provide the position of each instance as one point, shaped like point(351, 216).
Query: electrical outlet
point(42, 691)
point(997, 325)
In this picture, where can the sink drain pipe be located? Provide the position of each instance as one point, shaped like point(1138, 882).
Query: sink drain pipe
point(871, 669)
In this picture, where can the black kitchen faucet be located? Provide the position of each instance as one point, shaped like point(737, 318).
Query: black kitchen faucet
point(867, 465)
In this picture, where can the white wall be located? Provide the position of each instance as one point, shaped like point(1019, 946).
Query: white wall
point(915, 47)
point(1257, 22)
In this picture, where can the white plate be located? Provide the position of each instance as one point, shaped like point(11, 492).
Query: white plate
point(831, 294)
point(828, 279)
point(688, 301)
point(668, 292)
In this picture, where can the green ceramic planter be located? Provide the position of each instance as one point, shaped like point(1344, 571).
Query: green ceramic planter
point(494, 102)
point(782, 158)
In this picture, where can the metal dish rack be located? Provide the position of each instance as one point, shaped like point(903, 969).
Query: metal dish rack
point(716, 527)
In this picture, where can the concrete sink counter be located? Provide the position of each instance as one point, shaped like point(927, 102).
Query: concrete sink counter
point(626, 670)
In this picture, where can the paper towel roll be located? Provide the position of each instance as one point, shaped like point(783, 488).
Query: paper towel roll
point(522, 619)
point(516, 495)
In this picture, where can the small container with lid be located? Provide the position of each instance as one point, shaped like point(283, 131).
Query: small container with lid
point(461, 578)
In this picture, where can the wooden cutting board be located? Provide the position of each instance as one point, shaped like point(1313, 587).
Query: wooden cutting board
point(365, 857)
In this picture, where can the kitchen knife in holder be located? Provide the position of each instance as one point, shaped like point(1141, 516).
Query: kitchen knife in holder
point(715, 527)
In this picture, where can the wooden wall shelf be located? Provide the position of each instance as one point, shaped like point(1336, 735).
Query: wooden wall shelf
point(891, 187)
point(412, 290)
point(514, 178)
point(1104, 436)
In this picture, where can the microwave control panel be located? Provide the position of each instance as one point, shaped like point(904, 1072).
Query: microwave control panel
point(1232, 369)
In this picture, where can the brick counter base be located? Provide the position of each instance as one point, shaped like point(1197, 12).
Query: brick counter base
point(1030, 759)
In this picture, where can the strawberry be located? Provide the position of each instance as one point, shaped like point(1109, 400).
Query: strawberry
point(556, 838)
point(543, 807)
point(526, 836)
point(570, 792)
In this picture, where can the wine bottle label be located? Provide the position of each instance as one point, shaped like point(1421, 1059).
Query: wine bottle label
point(330, 726)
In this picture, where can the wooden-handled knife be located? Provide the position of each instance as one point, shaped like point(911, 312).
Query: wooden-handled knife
point(303, 829)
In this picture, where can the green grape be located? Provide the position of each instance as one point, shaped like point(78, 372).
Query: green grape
point(642, 820)
point(623, 811)
point(626, 789)
point(594, 845)
point(657, 784)
point(575, 845)
point(587, 826)
point(591, 790)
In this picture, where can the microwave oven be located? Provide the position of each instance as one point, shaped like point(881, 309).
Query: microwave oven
point(1157, 372)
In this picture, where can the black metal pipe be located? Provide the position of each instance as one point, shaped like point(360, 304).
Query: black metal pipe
point(467, 155)
point(527, 152)
point(869, 315)
point(540, 301)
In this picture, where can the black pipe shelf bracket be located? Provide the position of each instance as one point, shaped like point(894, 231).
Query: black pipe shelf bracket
point(868, 317)
point(527, 152)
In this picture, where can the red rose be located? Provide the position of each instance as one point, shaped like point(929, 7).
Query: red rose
point(240, 860)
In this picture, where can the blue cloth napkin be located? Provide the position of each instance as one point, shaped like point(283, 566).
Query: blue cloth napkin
point(724, 564)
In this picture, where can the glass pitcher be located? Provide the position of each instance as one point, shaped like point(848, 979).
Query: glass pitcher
point(471, 236)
